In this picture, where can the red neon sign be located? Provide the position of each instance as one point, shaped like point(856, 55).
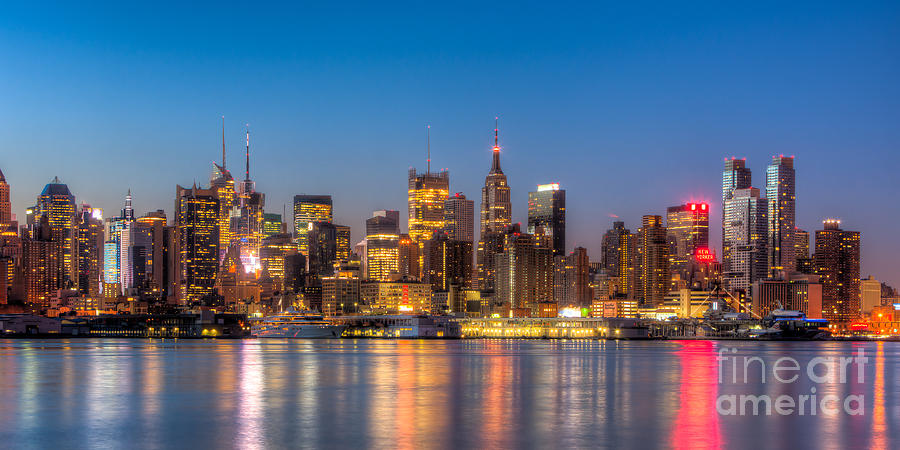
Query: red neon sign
point(705, 255)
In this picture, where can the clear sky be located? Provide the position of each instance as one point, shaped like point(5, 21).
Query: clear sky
point(631, 106)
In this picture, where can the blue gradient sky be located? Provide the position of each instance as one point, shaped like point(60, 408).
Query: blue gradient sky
point(631, 106)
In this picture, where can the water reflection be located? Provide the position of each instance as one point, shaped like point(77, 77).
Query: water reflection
point(414, 394)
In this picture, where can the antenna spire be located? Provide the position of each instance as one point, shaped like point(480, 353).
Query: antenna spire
point(223, 142)
point(247, 173)
point(495, 166)
point(428, 147)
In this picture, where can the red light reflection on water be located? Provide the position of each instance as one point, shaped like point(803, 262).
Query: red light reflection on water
point(697, 422)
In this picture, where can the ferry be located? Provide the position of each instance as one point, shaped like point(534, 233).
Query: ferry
point(300, 325)
point(791, 324)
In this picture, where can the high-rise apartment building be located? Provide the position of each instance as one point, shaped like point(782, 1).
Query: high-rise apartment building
point(524, 272)
point(837, 263)
point(309, 209)
point(780, 187)
point(447, 262)
point(459, 218)
point(322, 240)
point(571, 279)
point(735, 176)
point(652, 278)
point(746, 238)
point(342, 235)
point(547, 215)
point(609, 258)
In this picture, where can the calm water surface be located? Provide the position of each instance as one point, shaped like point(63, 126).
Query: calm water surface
point(421, 394)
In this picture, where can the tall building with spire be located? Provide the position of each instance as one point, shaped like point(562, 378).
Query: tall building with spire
point(426, 195)
point(248, 215)
point(780, 187)
point(57, 204)
point(222, 182)
point(496, 216)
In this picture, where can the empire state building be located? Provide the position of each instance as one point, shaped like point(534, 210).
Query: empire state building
point(496, 217)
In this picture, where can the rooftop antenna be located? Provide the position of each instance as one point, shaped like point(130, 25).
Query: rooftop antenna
point(223, 142)
point(247, 173)
point(428, 147)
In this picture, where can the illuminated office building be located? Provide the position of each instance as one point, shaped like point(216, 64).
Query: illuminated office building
point(837, 264)
point(382, 245)
point(309, 209)
point(57, 204)
point(427, 193)
point(136, 258)
point(274, 251)
point(652, 268)
point(197, 224)
point(459, 218)
point(746, 238)
point(780, 186)
point(395, 297)
point(247, 217)
point(90, 250)
point(688, 230)
point(547, 215)
point(342, 234)
point(272, 225)
point(222, 182)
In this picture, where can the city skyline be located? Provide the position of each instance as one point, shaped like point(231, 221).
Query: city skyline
point(818, 87)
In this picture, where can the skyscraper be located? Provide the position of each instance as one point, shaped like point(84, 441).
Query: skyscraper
point(609, 258)
point(322, 240)
point(837, 263)
point(160, 275)
point(57, 204)
point(427, 193)
point(447, 262)
point(382, 245)
point(780, 195)
point(342, 233)
point(688, 229)
point(547, 215)
point(309, 209)
point(272, 224)
point(90, 250)
point(459, 218)
point(496, 206)
point(223, 183)
point(745, 236)
point(197, 223)
point(42, 263)
point(524, 273)
point(5, 205)
point(571, 279)
point(735, 176)
point(803, 259)
point(652, 280)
